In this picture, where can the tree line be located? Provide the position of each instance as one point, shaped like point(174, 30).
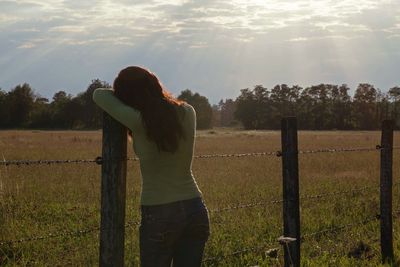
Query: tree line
point(22, 108)
point(318, 107)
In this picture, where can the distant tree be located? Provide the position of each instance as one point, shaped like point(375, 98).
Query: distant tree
point(382, 109)
point(394, 96)
point(245, 111)
point(20, 104)
point(316, 107)
point(262, 107)
point(283, 101)
point(216, 116)
point(4, 114)
point(364, 107)
point(40, 116)
point(227, 112)
point(60, 116)
point(91, 114)
point(341, 108)
point(74, 109)
point(201, 105)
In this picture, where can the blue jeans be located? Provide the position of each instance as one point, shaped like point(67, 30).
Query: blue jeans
point(174, 234)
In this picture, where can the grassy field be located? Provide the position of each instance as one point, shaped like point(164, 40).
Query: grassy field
point(64, 199)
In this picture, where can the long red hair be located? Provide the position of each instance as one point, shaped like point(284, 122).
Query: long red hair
point(142, 90)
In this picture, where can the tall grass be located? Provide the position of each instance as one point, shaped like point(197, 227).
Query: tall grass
point(37, 200)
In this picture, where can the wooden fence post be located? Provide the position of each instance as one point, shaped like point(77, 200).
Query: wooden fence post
point(386, 191)
point(290, 173)
point(113, 191)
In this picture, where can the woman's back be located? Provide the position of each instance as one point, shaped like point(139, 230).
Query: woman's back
point(166, 176)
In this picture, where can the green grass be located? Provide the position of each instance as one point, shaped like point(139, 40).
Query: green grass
point(37, 200)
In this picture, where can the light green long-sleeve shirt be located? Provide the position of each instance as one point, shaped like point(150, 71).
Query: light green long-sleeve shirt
point(166, 177)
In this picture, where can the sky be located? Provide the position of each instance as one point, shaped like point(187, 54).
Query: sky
point(215, 48)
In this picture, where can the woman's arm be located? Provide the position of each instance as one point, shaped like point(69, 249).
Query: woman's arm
point(126, 115)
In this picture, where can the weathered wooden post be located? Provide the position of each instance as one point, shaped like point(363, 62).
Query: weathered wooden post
point(113, 191)
point(290, 173)
point(386, 191)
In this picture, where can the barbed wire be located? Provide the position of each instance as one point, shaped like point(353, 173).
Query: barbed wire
point(247, 205)
point(76, 233)
point(344, 192)
point(59, 234)
point(240, 252)
point(82, 232)
point(100, 160)
point(219, 210)
point(302, 197)
point(341, 228)
point(348, 226)
point(46, 162)
point(238, 155)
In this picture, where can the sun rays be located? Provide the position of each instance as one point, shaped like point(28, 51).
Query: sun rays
point(235, 43)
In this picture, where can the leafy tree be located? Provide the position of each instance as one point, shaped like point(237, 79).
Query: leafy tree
point(216, 115)
point(60, 116)
point(20, 104)
point(91, 113)
point(201, 105)
point(227, 109)
point(4, 114)
point(40, 116)
point(316, 104)
point(341, 108)
point(394, 96)
point(74, 110)
point(283, 101)
point(262, 107)
point(245, 111)
point(364, 107)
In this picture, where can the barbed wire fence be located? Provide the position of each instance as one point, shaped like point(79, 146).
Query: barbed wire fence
point(270, 248)
point(99, 160)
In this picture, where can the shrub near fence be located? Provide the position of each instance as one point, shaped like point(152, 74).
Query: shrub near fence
point(113, 163)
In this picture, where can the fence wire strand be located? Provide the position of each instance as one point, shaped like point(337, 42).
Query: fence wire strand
point(264, 203)
point(70, 234)
point(99, 160)
point(236, 253)
point(348, 226)
point(82, 232)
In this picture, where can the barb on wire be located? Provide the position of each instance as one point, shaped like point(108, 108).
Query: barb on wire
point(337, 150)
point(238, 155)
point(344, 192)
point(341, 228)
point(242, 251)
point(76, 233)
point(44, 162)
point(344, 227)
point(248, 205)
point(73, 233)
point(303, 197)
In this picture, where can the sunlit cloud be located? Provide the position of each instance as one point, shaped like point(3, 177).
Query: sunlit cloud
point(236, 43)
point(26, 45)
point(68, 28)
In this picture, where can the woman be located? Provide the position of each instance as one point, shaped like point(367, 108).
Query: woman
point(174, 226)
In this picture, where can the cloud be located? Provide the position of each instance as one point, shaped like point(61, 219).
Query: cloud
point(68, 29)
point(235, 43)
point(26, 45)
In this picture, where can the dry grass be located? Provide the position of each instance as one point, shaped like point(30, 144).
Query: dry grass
point(36, 200)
